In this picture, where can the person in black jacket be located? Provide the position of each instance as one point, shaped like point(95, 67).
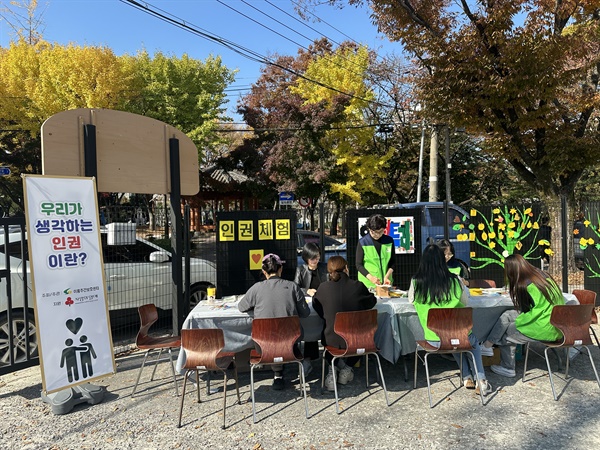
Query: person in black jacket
point(309, 276)
point(339, 294)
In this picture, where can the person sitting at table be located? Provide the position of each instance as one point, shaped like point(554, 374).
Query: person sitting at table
point(309, 276)
point(434, 286)
point(375, 253)
point(274, 297)
point(455, 265)
point(339, 294)
point(534, 293)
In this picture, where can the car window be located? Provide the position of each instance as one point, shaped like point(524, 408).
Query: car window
point(437, 216)
point(315, 238)
point(139, 252)
point(14, 250)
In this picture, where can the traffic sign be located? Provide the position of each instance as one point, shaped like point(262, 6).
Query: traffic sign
point(286, 198)
point(305, 202)
point(4, 171)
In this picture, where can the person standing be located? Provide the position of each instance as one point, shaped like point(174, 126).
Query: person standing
point(339, 294)
point(375, 254)
point(274, 297)
point(434, 286)
point(534, 293)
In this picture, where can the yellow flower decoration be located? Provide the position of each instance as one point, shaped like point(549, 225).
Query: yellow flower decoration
point(484, 236)
point(492, 244)
point(502, 226)
point(492, 235)
point(496, 211)
point(583, 241)
point(473, 212)
point(590, 241)
point(517, 217)
point(501, 235)
point(511, 234)
point(472, 254)
point(527, 211)
point(481, 226)
point(549, 251)
point(575, 231)
point(519, 245)
point(529, 225)
point(472, 237)
point(543, 242)
point(513, 210)
point(536, 226)
point(587, 223)
point(511, 225)
point(462, 237)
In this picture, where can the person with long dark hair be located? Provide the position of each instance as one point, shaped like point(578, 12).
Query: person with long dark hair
point(534, 293)
point(434, 286)
point(339, 294)
point(455, 265)
point(309, 277)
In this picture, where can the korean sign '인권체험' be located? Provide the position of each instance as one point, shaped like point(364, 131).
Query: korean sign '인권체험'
point(68, 280)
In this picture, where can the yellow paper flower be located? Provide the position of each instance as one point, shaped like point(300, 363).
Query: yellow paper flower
point(472, 236)
point(549, 251)
point(536, 226)
point(492, 244)
point(590, 241)
point(543, 242)
point(513, 210)
point(587, 223)
point(501, 226)
point(517, 217)
point(511, 225)
point(501, 235)
point(583, 241)
point(529, 225)
point(472, 254)
point(527, 211)
point(496, 211)
point(481, 226)
point(473, 212)
point(492, 235)
point(484, 236)
point(519, 245)
point(511, 234)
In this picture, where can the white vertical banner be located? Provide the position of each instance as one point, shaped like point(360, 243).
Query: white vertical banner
point(65, 257)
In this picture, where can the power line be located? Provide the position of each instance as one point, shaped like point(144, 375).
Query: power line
point(241, 50)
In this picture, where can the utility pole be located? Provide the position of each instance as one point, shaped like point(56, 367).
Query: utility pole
point(433, 165)
point(448, 163)
point(420, 179)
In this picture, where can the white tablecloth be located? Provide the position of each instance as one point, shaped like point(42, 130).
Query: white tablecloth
point(398, 324)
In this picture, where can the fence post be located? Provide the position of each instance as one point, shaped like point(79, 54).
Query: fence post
point(564, 241)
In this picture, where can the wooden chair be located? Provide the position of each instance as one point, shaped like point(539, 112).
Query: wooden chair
point(574, 322)
point(481, 283)
point(357, 328)
point(276, 338)
point(149, 315)
point(452, 325)
point(587, 297)
point(203, 351)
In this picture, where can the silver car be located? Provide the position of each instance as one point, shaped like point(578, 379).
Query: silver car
point(135, 275)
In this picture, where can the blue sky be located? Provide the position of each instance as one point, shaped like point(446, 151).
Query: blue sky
point(125, 29)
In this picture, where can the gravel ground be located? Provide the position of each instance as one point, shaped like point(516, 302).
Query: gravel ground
point(518, 416)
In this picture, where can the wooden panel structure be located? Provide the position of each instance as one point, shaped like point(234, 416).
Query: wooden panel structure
point(132, 151)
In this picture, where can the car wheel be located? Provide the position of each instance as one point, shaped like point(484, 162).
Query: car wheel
point(19, 330)
point(198, 294)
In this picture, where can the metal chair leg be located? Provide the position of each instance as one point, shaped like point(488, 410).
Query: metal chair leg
point(252, 390)
point(224, 397)
point(477, 379)
point(140, 373)
point(156, 363)
point(182, 398)
point(382, 379)
point(337, 403)
point(550, 372)
point(303, 383)
point(595, 336)
point(428, 381)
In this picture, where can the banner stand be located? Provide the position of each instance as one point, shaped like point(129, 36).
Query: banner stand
point(64, 401)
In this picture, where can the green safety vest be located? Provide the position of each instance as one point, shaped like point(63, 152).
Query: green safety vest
point(375, 263)
point(535, 323)
point(423, 308)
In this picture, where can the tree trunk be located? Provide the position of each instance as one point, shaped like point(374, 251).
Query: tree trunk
point(334, 219)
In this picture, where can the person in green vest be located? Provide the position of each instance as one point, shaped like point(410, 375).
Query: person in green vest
point(455, 265)
point(534, 293)
point(434, 286)
point(375, 253)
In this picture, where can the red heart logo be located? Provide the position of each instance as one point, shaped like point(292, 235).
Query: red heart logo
point(256, 257)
